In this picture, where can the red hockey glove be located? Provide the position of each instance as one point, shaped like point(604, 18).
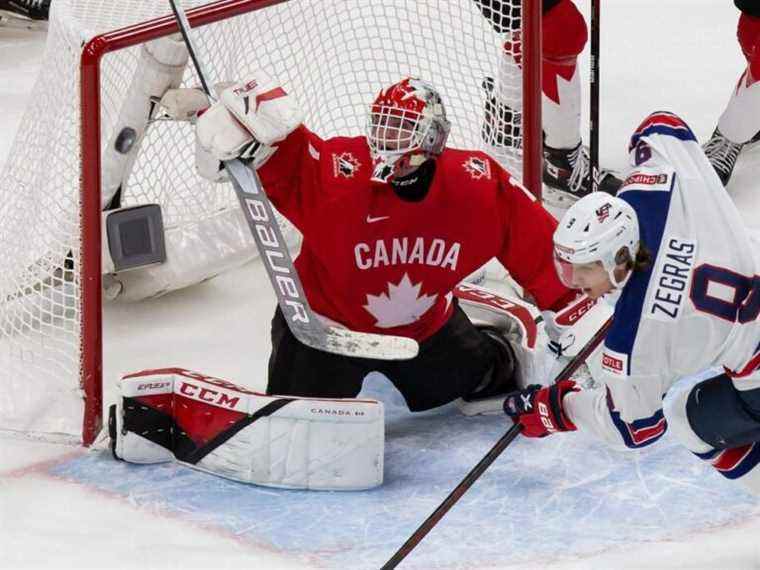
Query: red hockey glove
point(539, 409)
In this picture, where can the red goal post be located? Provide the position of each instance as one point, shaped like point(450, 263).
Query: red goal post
point(458, 46)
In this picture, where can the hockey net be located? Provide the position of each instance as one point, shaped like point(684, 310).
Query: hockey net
point(332, 55)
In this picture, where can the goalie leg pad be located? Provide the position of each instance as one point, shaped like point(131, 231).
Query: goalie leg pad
point(140, 423)
point(515, 320)
point(226, 430)
point(161, 66)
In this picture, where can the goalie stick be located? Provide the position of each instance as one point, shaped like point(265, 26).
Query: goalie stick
point(489, 458)
point(266, 233)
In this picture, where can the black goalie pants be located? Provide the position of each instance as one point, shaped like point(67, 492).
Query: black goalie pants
point(450, 364)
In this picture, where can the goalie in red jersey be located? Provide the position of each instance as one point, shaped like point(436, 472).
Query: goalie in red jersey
point(391, 223)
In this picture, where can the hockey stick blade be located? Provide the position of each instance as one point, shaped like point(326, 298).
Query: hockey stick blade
point(259, 215)
point(489, 458)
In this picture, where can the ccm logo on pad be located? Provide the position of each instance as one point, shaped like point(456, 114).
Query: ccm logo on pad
point(203, 394)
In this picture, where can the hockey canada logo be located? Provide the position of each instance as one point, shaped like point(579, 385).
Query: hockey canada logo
point(478, 168)
point(345, 164)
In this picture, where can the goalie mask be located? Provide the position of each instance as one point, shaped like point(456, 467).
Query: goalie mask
point(407, 125)
point(598, 228)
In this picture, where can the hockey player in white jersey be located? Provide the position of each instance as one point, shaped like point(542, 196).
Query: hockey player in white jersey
point(684, 273)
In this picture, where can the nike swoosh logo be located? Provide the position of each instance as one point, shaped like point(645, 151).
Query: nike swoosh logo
point(371, 220)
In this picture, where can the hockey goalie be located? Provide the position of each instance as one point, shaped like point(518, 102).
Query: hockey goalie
point(392, 222)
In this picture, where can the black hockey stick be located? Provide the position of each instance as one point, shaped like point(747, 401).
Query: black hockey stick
point(489, 458)
point(594, 98)
point(266, 232)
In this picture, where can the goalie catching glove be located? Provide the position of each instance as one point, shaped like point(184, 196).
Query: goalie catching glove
point(250, 117)
point(539, 409)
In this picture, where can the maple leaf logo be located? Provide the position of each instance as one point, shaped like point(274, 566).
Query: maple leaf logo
point(402, 305)
point(477, 167)
point(345, 164)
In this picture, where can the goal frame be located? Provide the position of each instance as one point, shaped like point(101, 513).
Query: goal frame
point(91, 338)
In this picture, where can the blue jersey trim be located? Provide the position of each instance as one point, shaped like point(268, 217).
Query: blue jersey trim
point(652, 210)
point(638, 433)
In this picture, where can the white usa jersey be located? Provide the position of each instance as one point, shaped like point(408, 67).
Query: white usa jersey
point(695, 307)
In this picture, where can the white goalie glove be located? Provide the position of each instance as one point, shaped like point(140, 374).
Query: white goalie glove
point(250, 117)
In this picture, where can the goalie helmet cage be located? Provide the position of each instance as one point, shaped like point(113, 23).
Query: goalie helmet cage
point(332, 55)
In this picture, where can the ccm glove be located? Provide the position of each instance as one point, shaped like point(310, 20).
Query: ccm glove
point(539, 408)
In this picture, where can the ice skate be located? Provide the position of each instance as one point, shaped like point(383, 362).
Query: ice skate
point(566, 176)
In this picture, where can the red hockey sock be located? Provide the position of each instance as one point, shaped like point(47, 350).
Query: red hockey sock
point(564, 36)
point(748, 34)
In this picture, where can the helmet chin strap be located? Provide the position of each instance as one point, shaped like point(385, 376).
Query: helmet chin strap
point(619, 284)
point(612, 297)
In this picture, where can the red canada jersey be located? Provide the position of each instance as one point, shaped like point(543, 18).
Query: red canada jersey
point(376, 263)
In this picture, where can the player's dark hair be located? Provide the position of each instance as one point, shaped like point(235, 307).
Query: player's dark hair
point(642, 262)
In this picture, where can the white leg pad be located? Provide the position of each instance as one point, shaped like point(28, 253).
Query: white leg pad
point(516, 318)
point(133, 446)
point(227, 430)
point(161, 66)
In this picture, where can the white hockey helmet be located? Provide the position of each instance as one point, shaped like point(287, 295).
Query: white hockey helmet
point(598, 227)
point(407, 124)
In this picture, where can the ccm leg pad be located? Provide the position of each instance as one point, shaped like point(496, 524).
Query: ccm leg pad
point(279, 441)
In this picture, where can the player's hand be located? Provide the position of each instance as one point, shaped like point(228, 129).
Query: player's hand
point(539, 409)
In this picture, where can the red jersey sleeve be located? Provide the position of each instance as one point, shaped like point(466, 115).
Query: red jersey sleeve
point(527, 251)
point(291, 177)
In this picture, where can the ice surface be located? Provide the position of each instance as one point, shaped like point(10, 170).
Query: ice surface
point(542, 500)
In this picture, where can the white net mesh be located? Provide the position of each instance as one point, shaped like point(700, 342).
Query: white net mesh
point(333, 55)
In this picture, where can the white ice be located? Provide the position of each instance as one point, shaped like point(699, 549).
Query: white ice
point(679, 55)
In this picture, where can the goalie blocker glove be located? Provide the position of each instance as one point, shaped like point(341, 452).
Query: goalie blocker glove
point(539, 409)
